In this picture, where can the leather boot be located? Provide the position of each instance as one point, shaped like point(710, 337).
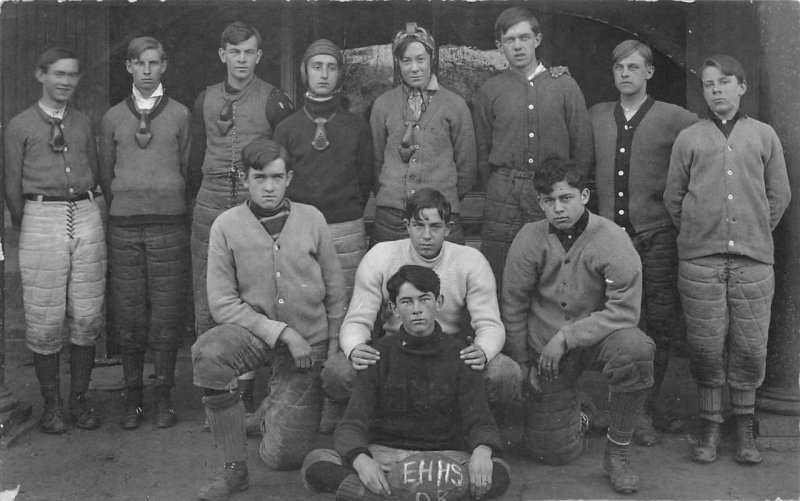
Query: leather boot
point(234, 478)
point(133, 369)
point(706, 450)
point(81, 362)
point(645, 433)
point(47, 372)
point(164, 362)
point(746, 433)
point(616, 463)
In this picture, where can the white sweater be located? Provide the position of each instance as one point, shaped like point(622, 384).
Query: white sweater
point(467, 284)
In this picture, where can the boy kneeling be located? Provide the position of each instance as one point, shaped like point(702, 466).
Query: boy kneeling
point(419, 398)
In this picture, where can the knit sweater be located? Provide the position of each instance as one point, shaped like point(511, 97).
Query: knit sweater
point(444, 157)
point(151, 181)
point(587, 293)
point(520, 123)
point(419, 396)
point(467, 284)
point(31, 165)
point(264, 285)
point(643, 182)
point(338, 179)
point(259, 108)
point(726, 195)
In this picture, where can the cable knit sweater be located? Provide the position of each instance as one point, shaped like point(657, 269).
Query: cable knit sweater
point(145, 182)
point(264, 285)
point(726, 195)
point(444, 160)
point(649, 161)
point(338, 179)
point(468, 286)
point(419, 396)
point(587, 293)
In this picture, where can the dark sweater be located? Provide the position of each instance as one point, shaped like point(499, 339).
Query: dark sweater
point(338, 179)
point(419, 396)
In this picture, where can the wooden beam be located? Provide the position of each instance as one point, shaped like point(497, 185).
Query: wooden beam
point(288, 65)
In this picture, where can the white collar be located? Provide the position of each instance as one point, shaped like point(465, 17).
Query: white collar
point(539, 69)
point(53, 112)
point(147, 103)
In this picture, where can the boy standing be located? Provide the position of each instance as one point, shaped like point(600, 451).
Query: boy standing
point(331, 153)
point(571, 302)
point(633, 139)
point(276, 290)
point(144, 151)
point(418, 397)
point(51, 172)
point(522, 117)
point(727, 188)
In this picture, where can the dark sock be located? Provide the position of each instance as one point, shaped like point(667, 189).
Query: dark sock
point(80, 363)
point(624, 409)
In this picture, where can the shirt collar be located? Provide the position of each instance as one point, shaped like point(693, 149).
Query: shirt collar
point(147, 103)
point(537, 71)
point(53, 112)
point(577, 228)
point(433, 85)
point(717, 120)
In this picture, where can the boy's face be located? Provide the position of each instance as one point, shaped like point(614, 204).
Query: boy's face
point(723, 93)
point(564, 205)
point(519, 45)
point(267, 186)
point(241, 59)
point(631, 75)
point(416, 309)
point(146, 71)
point(323, 75)
point(60, 81)
point(427, 233)
point(415, 66)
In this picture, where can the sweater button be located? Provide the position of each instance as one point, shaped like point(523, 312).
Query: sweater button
point(530, 106)
point(278, 274)
point(67, 170)
point(277, 247)
point(280, 301)
point(564, 304)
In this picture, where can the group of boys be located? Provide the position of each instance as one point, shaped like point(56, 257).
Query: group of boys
point(409, 334)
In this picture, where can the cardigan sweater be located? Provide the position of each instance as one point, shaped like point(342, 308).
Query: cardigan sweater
point(31, 165)
point(726, 195)
point(264, 285)
point(642, 183)
point(419, 396)
point(519, 123)
point(338, 179)
point(589, 292)
point(467, 284)
point(151, 181)
point(259, 108)
point(445, 151)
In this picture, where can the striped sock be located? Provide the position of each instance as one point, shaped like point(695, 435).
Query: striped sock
point(743, 401)
point(709, 402)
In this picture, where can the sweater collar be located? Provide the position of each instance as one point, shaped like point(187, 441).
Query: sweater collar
point(416, 258)
point(324, 108)
point(422, 346)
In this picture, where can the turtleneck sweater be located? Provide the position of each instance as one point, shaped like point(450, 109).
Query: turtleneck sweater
point(419, 396)
point(467, 284)
point(338, 179)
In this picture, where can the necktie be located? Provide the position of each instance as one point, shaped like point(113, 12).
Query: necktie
point(320, 141)
point(226, 115)
point(143, 134)
point(57, 141)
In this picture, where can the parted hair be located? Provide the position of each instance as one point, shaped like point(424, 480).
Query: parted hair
point(236, 33)
point(140, 44)
point(512, 16)
point(427, 198)
point(424, 279)
point(52, 55)
point(628, 47)
point(727, 65)
point(262, 151)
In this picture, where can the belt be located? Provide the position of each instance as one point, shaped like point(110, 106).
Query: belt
point(505, 171)
point(56, 198)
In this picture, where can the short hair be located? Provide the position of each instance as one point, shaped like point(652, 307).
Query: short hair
point(54, 54)
point(262, 151)
point(427, 198)
point(512, 16)
point(424, 279)
point(238, 32)
point(555, 170)
point(140, 44)
point(727, 65)
point(628, 47)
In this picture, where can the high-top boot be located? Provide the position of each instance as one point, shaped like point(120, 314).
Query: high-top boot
point(645, 433)
point(132, 368)
point(164, 362)
point(616, 463)
point(226, 418)
point(706, 450)
point(47, 372)
point(81, 362)
point(746, 433)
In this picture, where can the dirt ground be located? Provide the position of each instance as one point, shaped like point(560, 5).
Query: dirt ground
point(171, 464)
